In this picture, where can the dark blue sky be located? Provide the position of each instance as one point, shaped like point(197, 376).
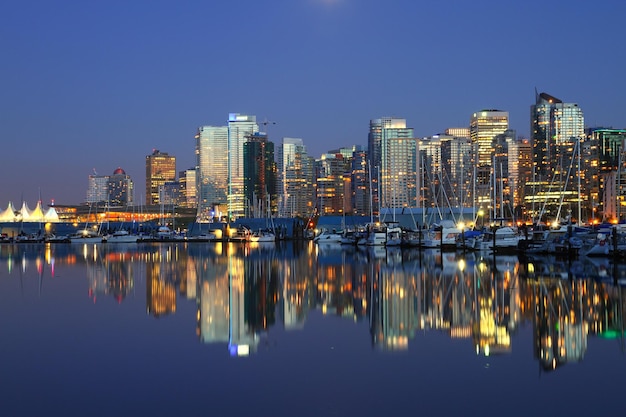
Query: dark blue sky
point(97, 85)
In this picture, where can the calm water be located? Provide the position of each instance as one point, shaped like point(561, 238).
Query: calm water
point(300, 330)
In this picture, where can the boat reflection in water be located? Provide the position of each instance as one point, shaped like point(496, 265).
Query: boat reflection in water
point(242, 290)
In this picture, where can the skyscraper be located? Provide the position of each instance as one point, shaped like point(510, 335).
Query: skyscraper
point(398, 173)
point(329, 174)
point(120, 188)
point(97, 188)
point(554, 126)
point(557, 130)
point(485, 125)
point(240, 127)
point(212, 170)
point(188, 188)
point(259, 171)
point(295, 179)
point(160, 168)
point(381, 130)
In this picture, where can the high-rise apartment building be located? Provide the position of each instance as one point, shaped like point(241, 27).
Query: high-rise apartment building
point(240, 127)
point(329, 192)
point(360, 184)
point(398, 173)
point(381, 130)
point(520, 165)
point(485, 125)
point(160, 168)
point(97, 189)
point(120, 188)
point(606, 172)
point(557, 131)
point(188, 188)
point(212, 171)
point(554, 126)
point(458, 169)
point(259, 172)
point(295, 179)
point(114, 190)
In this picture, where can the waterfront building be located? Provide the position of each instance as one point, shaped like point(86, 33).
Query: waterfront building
point(120, 189)
point(606, 172)
point(240, 127)
point(169, 194)
point(212, 171)
point(259, 172)
point(485, 125)
point(557, 132)
point(295, 179)
point(379, 130)
point(520, 168)
point(458, 168)
point(501, 182)
point(398, 173)
point(329, 189)
point(97, 188)
point(188, 188)
point(360, 185)
point(554, 126)
point(160, 168)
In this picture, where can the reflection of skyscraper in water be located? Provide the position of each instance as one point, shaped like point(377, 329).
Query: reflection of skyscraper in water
point(109, 274)
point(242, 340)
point(560, 328)
point(395, 315)
point(293, 300)
point(160, 287)
point(260, 292)
point(490, 331)
point(211, 270)
point(214, 300)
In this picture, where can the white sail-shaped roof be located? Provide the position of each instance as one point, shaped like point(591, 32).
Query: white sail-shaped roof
point(8, 215)
point(24, 214)
point(51, 216)
point(36, 215)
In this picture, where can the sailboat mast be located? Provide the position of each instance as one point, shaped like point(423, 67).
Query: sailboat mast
point(579, 195)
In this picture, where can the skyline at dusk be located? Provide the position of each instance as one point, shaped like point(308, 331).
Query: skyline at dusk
point(99, 85)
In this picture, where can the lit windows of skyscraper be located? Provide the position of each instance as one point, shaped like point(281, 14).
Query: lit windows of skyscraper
point(188, 188)
point(239, 128)
point(160, 168)
point(97, 189)
point(329, 196)
point(386, 128)
point(115, 190)
point(120, 188)
point(557, 130)
point(484, 126)
point(212, 170)
point(295, 182)
point(259, 171)
point(398, 172)
point(554, 126)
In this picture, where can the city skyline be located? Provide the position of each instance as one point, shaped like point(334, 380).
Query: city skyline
point(99, 86)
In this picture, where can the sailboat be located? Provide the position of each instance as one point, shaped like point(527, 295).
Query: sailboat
point(87, 235)
point(261, 235)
